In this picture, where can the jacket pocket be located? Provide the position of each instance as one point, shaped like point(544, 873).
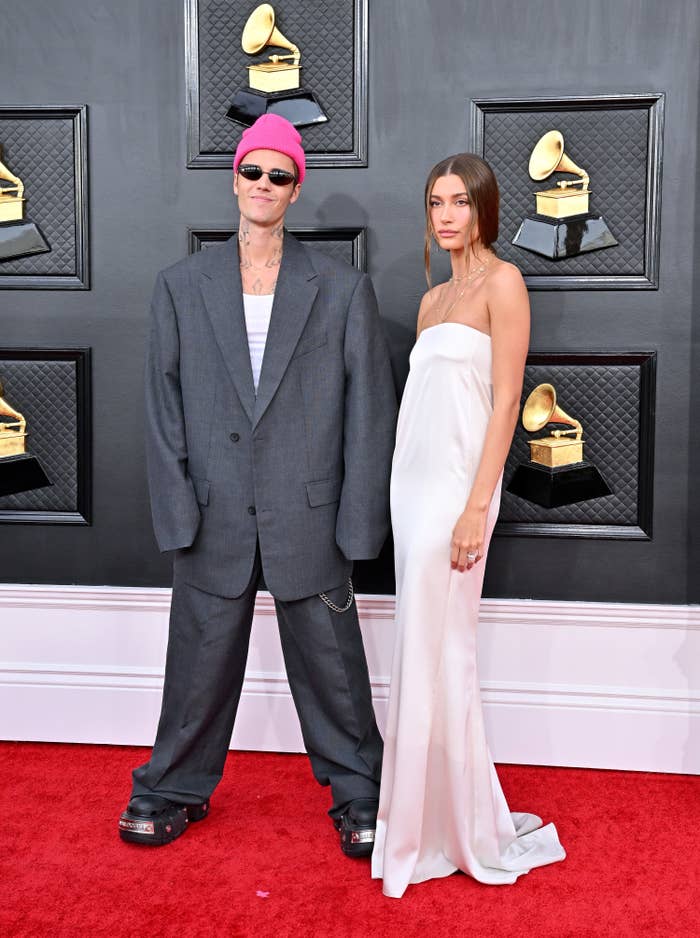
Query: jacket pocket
point(201, 489)
point(309, 342)
point(323, 493)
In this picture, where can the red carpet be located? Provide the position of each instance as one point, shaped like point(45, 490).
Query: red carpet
point(266, 862)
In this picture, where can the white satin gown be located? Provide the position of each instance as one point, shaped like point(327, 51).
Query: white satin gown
point(441, 806)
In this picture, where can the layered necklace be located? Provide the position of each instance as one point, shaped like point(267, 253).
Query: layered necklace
point(466, 279)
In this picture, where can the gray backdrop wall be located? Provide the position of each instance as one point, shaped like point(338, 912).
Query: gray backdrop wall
point(426, 61)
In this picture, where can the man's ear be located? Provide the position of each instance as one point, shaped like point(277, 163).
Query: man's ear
point(295, 193)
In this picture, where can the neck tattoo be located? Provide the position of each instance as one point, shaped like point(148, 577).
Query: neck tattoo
point(244, 242)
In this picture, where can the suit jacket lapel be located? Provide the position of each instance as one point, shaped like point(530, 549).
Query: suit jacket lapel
point(223, 296)
point(294, 296)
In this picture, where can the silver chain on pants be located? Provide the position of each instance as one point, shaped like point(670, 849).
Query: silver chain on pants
point(348, 602)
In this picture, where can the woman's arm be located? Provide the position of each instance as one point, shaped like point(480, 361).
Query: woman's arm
point(509, 313)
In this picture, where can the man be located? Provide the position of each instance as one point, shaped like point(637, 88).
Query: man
point(270, 413)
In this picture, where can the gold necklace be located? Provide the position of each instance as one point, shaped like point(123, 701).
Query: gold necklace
point(468, 277)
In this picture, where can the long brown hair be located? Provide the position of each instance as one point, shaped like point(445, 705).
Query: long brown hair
point(482, 191)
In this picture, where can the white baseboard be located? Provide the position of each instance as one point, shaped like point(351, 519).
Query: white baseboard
point(599, 685)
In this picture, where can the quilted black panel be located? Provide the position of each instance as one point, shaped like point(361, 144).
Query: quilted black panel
point(45, 393)
point(611, 145)
point(40, 150)
point(606, 399)
point(322, 29)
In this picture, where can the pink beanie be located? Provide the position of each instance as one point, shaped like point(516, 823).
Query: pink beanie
point(272, 132)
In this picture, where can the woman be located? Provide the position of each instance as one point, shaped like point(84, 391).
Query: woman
point(441, 805)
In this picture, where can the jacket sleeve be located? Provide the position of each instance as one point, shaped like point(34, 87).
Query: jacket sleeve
point(369, 426)
point(174, 505)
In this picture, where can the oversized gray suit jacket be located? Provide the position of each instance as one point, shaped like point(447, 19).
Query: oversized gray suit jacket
point(303, 467)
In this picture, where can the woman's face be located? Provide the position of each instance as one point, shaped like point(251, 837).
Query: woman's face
point(450, 213)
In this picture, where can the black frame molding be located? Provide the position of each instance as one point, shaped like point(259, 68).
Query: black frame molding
point(81, 279)
point(654, 103)
point(198, 237)
point(360, 109)
point(83, 366)
point(647, 414)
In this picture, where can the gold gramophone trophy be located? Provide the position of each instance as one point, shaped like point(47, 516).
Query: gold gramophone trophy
point(562, 226)
point(557, 473)
point(275, 83)
point(19, 471)
point(18, 236)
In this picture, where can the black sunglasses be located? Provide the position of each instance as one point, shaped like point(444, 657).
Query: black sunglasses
point(278, 177)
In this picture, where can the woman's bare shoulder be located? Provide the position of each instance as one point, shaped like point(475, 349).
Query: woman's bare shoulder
point(428, 300)
point(505, 285)
point(504, 274)
point(432, 294)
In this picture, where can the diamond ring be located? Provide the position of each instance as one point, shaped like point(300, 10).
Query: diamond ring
point(471, 557)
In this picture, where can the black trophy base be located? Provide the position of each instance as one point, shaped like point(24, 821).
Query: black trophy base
point(558, 486)
point(300, 107)
point(20, 238)
point(557, 238)
point(21, 474)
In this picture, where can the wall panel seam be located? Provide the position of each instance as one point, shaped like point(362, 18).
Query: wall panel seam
point(493, 611)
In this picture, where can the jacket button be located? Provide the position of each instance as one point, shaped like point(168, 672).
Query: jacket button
point(235, 437)
point(251, 509)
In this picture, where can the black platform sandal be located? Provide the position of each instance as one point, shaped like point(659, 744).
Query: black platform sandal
point(154, 820)
point(357, 827)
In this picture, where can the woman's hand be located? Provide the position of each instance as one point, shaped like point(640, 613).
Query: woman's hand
point(468, 539)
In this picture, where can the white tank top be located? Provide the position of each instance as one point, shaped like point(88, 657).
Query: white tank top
point(257, 322)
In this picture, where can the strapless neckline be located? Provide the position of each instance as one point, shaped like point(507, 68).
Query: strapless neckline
point(464, 325)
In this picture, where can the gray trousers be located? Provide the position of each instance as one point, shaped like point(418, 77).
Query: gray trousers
point(205, 667)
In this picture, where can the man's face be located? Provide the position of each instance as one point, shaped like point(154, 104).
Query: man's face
point(259, 201)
